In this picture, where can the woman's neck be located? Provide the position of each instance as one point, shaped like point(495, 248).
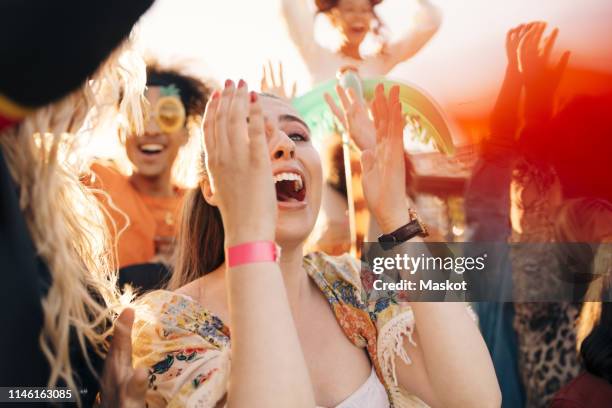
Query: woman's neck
point(350, 50)
point(159, 186)
point(295, 279)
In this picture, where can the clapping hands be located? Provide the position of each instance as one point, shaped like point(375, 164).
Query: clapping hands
point(354, 117)
point(380, 140)
point(238, 164)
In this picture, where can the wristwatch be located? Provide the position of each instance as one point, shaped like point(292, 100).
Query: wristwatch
point(404, 233)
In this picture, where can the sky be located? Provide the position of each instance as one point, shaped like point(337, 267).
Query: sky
point(460, 68)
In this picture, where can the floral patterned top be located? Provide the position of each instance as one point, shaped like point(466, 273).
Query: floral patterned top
point(187, 349)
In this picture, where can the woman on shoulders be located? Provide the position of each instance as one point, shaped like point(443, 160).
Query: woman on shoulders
point(354, 19)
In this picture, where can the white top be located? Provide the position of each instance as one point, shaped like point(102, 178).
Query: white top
point(323, 63)
point(371, 394)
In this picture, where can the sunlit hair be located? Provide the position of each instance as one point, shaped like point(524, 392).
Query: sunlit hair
point(587, 221)
point(594, 332)
point(64, 219)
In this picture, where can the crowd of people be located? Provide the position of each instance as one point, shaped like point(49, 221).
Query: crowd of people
point(133, 290)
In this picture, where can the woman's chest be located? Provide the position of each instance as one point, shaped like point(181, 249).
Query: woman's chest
point(336, 366)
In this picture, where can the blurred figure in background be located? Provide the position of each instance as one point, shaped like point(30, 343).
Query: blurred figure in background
point(589, 221)
point(525, 180)
point(487, 206)
point(354, 20)
point(546, 332)
point(565, 154)
point(144, 206)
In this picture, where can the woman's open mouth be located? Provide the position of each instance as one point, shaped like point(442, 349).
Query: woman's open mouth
point(151, 149)
point(290, 188)
point(359, 30)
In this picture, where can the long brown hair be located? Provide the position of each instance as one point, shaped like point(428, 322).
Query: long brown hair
point(200, 248)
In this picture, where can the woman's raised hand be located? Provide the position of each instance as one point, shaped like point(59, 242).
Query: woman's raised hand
point(540, 79)
point(354, 117)
point(513, 40)
point(383, 166)
point(504, 118)
point(122, 386)
point(238, 164)
point(275, 83)
point(534, 55)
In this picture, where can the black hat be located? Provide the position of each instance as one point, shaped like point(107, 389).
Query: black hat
point(48, 48)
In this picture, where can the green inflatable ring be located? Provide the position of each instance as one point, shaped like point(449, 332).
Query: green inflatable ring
point(430, 122)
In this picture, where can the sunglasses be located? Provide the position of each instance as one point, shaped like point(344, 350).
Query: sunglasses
point(169, 114)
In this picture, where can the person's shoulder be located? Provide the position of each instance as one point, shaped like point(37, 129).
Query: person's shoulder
point(156, 299)
point(166, 305)
point(179, 315)
point(150, 307)
point(338, 278)
point(335, 267)
point(105, 173)
point(106, 166)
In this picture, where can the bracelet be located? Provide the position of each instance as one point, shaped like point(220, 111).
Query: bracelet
point(404, 233)
point(251, 252)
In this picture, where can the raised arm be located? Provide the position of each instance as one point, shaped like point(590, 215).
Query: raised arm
point(268, 367)
point(487, 194)
point(540, 76)
point(354, 116)
point(504, 118)
point(299, 20)
point(451, 366)
point(425, 23)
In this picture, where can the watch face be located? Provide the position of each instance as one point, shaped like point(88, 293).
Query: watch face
point(386, 238)
point(414, 228)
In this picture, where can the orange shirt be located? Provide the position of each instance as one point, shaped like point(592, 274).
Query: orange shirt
point(153, 221)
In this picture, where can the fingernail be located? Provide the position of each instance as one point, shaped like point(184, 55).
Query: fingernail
point(216, 94)
point(241, 83)
point(228, 83)
point(253, 96)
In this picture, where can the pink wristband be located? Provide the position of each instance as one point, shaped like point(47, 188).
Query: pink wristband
point(251, 252)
